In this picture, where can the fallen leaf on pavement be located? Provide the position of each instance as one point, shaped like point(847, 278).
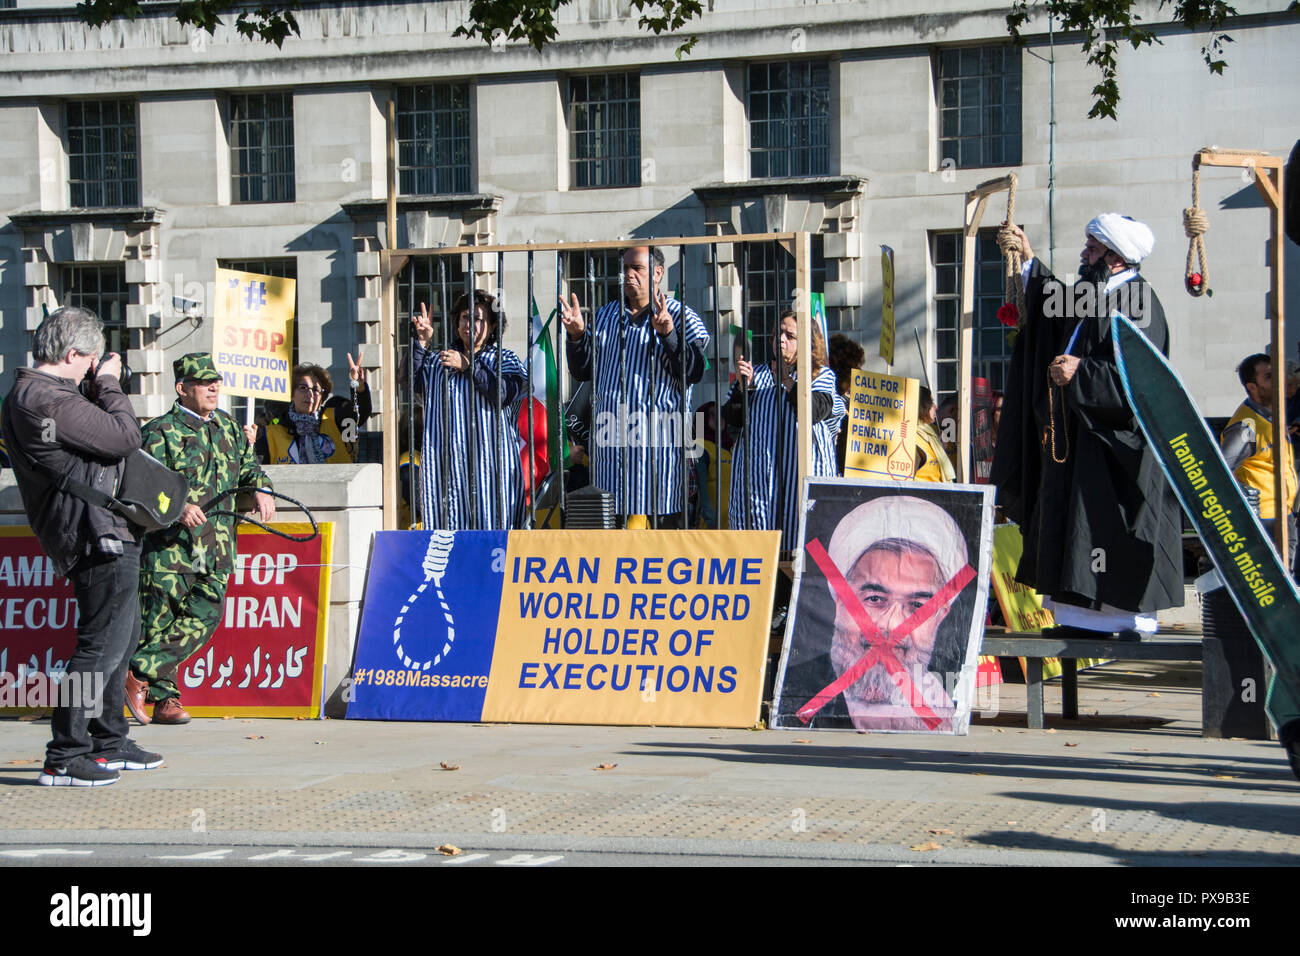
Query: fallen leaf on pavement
point(449, 766)
point(449, 849)
point(1050, 730)
point(800, 740)
point(255, 737)
point(1071, 745)
point(1153, 694)
point(939, 830)
point(605, 766)
point(14, 763)
point(926, 846)
point(227, 717)
point(979, 773)
point(1011, 823)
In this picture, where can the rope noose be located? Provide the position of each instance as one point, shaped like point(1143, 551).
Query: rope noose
point(434, 565)
point(1014, 294)
point(1196, 224)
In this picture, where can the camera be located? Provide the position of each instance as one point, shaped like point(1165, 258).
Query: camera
point(87, 387)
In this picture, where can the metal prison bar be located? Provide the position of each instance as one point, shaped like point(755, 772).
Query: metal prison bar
point(392, 262)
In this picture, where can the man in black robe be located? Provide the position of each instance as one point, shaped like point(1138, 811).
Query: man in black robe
point(1102, 528)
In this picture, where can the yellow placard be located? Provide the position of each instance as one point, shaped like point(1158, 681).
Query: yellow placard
point(882, 426)
point(622, 627)
point(887, 304)
point(1022, 606)
point(252, 334)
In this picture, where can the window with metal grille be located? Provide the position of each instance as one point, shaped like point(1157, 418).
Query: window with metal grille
point(605, 130)
point(433, 139)
point(103, 156)
point(102, 289)
point(992, 340)
point(593, 275)
point(261, 147)
point(979, 105)
point(769, 284)
point(789, 118)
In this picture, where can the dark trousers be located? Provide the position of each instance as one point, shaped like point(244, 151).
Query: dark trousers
point(107, 588)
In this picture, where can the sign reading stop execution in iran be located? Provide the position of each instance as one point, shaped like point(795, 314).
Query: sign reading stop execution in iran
point(266, 658)
point(252, 334)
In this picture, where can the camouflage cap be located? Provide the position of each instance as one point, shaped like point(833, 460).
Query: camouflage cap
point(196, 366)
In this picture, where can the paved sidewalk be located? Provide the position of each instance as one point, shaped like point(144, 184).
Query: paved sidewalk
point(1134, 784)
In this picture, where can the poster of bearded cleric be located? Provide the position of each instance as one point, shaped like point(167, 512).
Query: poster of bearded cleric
point(888, 608)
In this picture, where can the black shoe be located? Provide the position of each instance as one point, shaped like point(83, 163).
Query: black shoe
point(80, 771)
point(1128, 634)
point(129, 757)
point(1068, 632)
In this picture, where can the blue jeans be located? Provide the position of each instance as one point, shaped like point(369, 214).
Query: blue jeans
point(107, 588)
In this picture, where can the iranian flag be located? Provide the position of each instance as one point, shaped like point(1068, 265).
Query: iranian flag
point(545, 403)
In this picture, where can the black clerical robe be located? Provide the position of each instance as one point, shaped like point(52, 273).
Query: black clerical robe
point(1100, 523)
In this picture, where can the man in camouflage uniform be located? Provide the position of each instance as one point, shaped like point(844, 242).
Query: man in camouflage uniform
point(184, 568)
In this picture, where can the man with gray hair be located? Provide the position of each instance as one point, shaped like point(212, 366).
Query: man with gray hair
point(53, 430)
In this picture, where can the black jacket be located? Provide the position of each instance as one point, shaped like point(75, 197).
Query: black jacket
point(48, 423)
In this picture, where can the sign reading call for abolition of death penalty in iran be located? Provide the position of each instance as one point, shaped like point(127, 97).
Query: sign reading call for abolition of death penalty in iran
point(252, 334)
point(266, 658)
point(574, 627)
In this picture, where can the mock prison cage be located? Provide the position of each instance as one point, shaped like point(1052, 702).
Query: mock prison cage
point(550, 275)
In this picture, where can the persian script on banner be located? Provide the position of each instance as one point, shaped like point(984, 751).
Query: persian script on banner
point(266, 658)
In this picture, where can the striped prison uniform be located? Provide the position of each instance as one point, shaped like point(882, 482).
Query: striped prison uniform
point(497, 442)
point(650, 421)
point(770, 408)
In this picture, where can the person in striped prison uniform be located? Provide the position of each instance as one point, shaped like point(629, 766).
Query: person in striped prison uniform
point(645, 427)
point(771, 499)
point(446, 482)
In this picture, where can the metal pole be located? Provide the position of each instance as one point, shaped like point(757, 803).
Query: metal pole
point(445, 450)
point(410, 415)
point(621, 414)
point(498, 432)
point(563, 445)
point(779, 476)
point(528, 399)
point(718, 424)
point(472, 400)
point(655, 347)
point(744, 389)
point(681, 353)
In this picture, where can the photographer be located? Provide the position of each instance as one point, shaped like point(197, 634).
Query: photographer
point(52, 430)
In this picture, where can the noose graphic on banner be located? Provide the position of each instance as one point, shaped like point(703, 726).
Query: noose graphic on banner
point(435, 564)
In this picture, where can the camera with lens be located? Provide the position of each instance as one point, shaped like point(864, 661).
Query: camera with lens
point(88, 388)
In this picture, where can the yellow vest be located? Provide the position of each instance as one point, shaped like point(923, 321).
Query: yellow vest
point(1257, 470)
point(928, 439)
point(278, 441)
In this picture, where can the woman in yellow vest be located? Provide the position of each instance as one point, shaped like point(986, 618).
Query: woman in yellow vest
point(316, 428)
point(936, 466)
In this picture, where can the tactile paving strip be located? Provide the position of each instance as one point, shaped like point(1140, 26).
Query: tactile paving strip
point(1268, 829)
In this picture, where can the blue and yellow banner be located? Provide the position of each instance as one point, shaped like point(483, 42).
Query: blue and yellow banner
point(580, 627)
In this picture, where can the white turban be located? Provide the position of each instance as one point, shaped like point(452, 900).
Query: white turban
point(904, 517)
point(1131, 239)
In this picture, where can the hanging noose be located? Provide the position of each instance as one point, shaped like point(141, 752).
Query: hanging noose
point(1196, 224)
point(1008, 242)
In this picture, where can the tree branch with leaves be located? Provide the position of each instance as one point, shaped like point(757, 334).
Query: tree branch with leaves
point(1107, 25)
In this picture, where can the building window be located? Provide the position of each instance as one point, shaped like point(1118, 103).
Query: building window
point(261, 147)
point(605, 130)
point(789, 118)
point(992, 340)
point(433, 139)
point(103, 159)
point(769, 278)
point(979, 105)
point(593, 275)
point(102, 289)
